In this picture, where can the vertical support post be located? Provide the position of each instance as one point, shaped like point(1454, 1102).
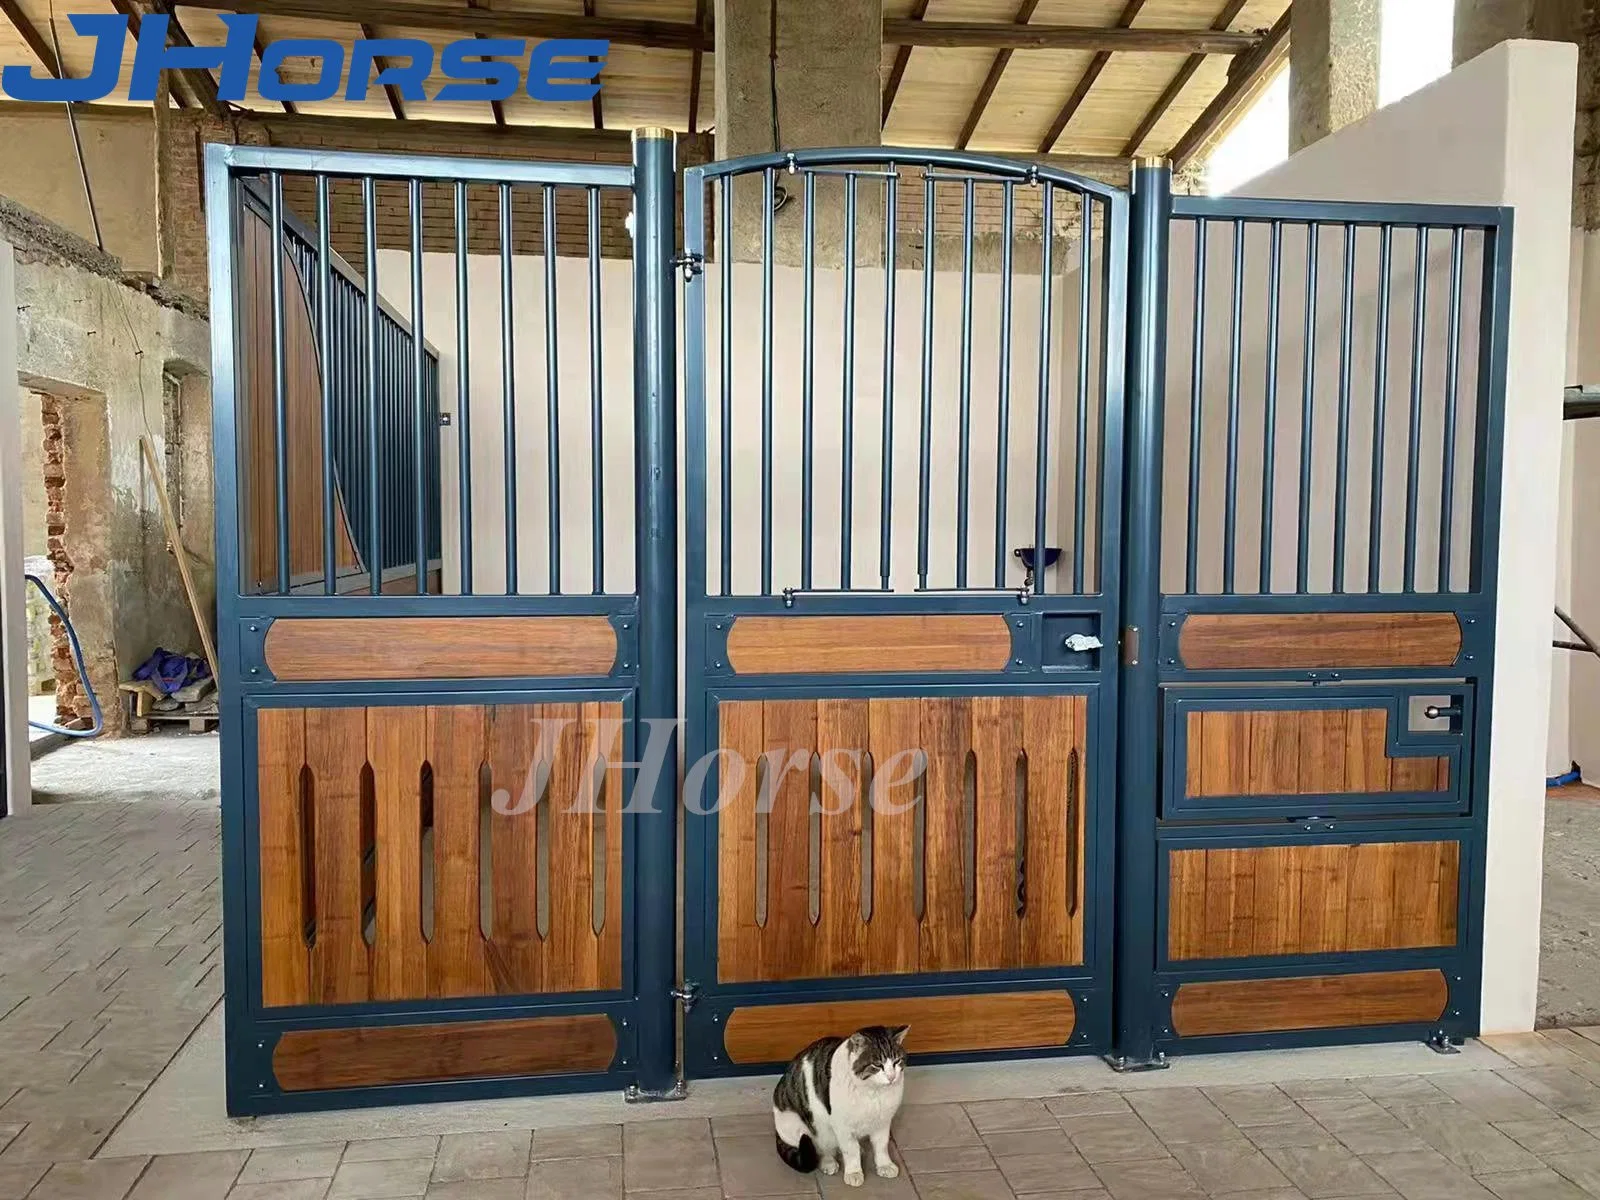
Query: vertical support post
point(1134, 995)
point(655, 407)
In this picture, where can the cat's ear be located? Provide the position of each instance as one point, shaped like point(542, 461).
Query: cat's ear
point(899, 1033)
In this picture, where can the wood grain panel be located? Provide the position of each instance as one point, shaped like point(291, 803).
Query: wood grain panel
point(1308, 1002)
point(1296, 641)
point(939, 1024)
point(440, 794)
point(963, 912)
point(1300, 752)
point(317, 648)
point(308, 1060)
point(864, 644)
point(1311, 899)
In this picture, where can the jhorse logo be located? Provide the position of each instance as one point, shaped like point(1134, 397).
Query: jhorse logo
point(478, 68)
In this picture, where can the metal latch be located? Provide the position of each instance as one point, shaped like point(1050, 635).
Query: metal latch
point(1317, 824)
point(687, 995)
point(691, 262)
point(1079, 642)
point(1435, 712)
point(1130, 645)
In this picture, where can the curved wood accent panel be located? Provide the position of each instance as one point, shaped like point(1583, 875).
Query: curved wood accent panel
point(316, 648)
point(309, 1060)
point(939, 1024)
point(1251, 901)
point(1301, 752)
point(438, 799)
point(1296, 641)
point(1026, 753)
point(868, 645)
point(1309, 1002)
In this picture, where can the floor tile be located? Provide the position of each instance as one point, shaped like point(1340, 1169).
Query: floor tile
point(1112, 1137)
point(919, 1126)
point(1004, 1116)
point(1326, 1171)
point(1246, 1106)
point(1086, 1104)
point(378, 1149)
point(750, 1166)
point(1541, 1184)
point(576, 1179)
point(106, 1179)
point(282, 1189)
point(278, 1163)
point(502, 1154)
point(964, 1185)
point(579, 1141)
point(1029, 1173)
point(936, 1160)
point(1221, 1167)
point(381, 1179)
point(1146, 1179)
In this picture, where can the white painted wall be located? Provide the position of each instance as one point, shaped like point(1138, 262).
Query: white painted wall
point(1495, 131)
point(13, 609)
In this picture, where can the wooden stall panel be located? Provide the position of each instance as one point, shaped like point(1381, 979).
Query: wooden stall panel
point(1216, 1007)
point(319, 648)
point(439, 852)
point(1256, 901)
point(1307, 641)
point(885, 837)
point(869, 644)
point(939, 1024)
point(1300, 752)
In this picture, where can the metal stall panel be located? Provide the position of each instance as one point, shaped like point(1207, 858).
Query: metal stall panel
point(900, 735)
point(432, 870)
point(1334, 386)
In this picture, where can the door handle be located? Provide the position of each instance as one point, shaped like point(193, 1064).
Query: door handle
point(1434, 711)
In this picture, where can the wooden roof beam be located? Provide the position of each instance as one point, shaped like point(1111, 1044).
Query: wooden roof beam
point(1001, 35)
point(902, 59)
point(200, 81)
point(389, 89)
point(1091, 76)
point(997, 68)
point(695, 67)
point(1249, 76)
point(30, 34)
point(1180, 81)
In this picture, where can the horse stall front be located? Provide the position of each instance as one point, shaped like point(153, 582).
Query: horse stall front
point(1087, 609)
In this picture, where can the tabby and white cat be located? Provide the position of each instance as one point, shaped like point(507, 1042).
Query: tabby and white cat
point(836, 1092)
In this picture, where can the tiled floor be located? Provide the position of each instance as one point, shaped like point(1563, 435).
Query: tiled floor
point(108, 965)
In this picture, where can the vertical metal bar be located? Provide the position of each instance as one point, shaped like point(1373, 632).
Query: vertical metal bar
point(280, 390)
point(1269, 433)
point(1139, 704)
point(725, 425)
point(508, 389)
point(1008, 212)
point(369, 194)
point(419, 380)
point(1489, 425)
point(596, 402)
point(552, 386)
point(1380, 407)
point(1419, 311)
point(325, 316)
point(1080, 440)
point(1308, 384)
point(1447, 480)
point(1197, 374)
point(964, 445)
point(656, 469)
point(890, 234)
point(1341, 477)
point(463, 390)
point(696, 484)
point(924, 481)
point(808, 371)
point(1230, 520)
point(1047, 243)
point(768, 253)
point(847, 506)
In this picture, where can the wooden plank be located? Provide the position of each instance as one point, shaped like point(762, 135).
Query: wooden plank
point(316, 648)
point(939, 1024)
point(518, 779)
point(569, 947)
point(738, 936)
point(892, 933)
point(884, 644)
point(1274, 763)
point(789, 941)
point(998, 35)
point(456, 749)
point(397, 748)
point(1194, 752)
point(1051, 935)
point(946, 738)
point(285, 959)
point(1295, 641)
point(180, 552)
point(1417, 774)
point(1323, 736)
point(1308, 1002)
point(1285, 752)
point(339, 953)
point(604, 749)
point(317, 1059)
point(844, 734)
point(996, 934)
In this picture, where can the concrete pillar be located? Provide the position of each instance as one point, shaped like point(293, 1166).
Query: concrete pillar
point(1480, 24)
point(829, 93)
point(1333, 66)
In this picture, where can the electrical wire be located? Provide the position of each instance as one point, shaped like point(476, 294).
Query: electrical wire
point(83, 670)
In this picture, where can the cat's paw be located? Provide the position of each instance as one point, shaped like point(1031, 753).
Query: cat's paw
point(887, 1170)
point(830, 1166)
point(854, 1178)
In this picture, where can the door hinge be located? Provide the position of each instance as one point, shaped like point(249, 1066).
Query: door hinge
point(688, 995)
point(691, 262)
point(1130, 645)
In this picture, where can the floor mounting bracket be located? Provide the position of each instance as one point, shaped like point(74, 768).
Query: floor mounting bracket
point(1123, 1065)
point(1440, 1043)
point(634, 1094)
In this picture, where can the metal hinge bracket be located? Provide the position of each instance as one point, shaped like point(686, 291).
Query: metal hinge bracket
point(691, 263)
point(1130, 645)
point(688, 995)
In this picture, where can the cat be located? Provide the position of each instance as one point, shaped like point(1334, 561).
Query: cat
point(836, 1092)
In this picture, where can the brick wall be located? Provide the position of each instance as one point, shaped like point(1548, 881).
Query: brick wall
point(71, 701)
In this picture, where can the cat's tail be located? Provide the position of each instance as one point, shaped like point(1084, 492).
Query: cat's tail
point(802, 1158)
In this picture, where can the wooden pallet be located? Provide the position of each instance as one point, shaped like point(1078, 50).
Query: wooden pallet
point(201, 715)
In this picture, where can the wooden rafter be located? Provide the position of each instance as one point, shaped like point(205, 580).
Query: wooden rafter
point(261, 64)
point(1085, 85)
point(997, 68)
point(1179, 81)
point(595, 103)
point(902, 59)
point(1004, 35)
point(37, 42)
point(1249, 76)
point(382, 63)
point(695, 66)
point(200, 81)
point(126, 8)
point(666, 35)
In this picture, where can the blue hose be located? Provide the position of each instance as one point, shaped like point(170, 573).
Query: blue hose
point(83, 671)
